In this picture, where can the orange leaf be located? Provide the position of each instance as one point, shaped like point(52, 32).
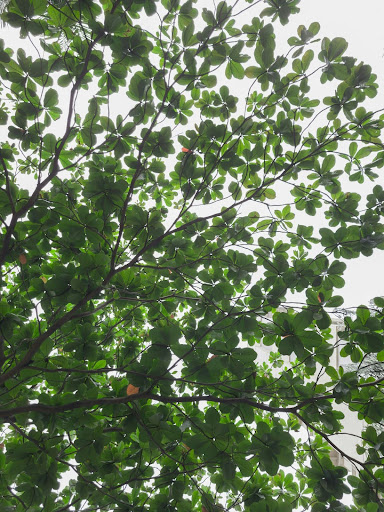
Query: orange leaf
point(23, 259)
point(186, 150)
point(132, 390)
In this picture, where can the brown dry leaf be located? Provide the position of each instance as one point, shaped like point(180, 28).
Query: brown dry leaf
point(132, 390)
point(203, 509)
point(44, 279)
point(23, 259)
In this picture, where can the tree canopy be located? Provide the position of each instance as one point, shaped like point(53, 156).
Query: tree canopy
point(174, 203)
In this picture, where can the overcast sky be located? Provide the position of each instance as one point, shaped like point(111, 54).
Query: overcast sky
point(361, 24)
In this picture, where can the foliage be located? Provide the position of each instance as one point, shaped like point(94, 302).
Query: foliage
point(156, 243)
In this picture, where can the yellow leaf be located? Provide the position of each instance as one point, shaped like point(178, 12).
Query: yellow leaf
point(44, 279)
point(132, 390)
point(23, 259)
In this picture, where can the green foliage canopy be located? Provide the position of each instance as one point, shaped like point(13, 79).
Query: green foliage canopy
point(147, 261)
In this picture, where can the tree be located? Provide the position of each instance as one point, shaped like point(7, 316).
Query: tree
point(157, 235)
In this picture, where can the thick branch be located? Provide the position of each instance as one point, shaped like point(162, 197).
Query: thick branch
point(54, 409)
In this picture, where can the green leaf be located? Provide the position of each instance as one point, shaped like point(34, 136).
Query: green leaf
point(3, 117)
point(335, 301)
point(336, 48)
point(302, 320)
point(38, 68)
point(49, 142)
point(237, 70)
point(212, 417)
point(51, 98)
point(363, 314)
point(287, 345)
point(229, 470)
point(379, 301)
point(252, 71)
point(64, 80)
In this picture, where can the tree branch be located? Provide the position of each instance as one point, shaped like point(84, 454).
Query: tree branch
point(53, 409)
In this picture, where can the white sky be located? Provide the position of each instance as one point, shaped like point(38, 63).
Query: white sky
point(361, 24)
